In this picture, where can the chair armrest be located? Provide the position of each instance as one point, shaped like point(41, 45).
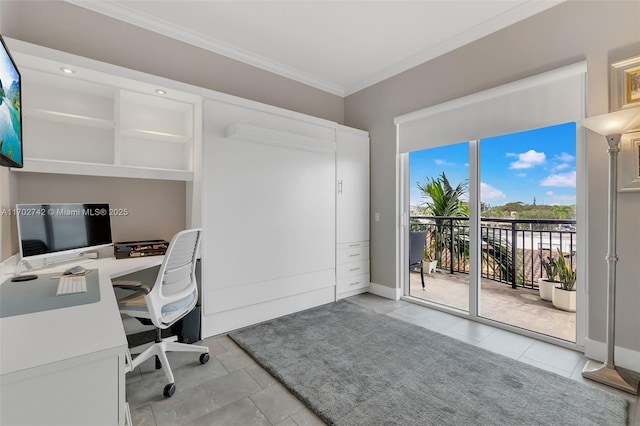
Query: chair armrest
point(131, 285)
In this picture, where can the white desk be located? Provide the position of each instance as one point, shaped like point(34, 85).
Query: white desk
point(66, 366)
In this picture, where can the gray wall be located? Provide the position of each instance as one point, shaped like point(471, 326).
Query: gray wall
point(63, 26)
point(154, 209)
point(601, 32)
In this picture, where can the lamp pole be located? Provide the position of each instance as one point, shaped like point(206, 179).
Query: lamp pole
point(612, 257)
point(607, 373)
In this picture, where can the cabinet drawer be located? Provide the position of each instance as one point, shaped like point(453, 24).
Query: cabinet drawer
point(353, 244)
point(352, 283)
point(353, 254)
point(352, 269)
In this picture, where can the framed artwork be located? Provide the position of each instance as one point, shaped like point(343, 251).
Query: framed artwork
point(625, 84)
point(629, 170)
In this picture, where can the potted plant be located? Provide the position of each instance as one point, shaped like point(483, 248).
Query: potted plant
point(564, 295)
point(546, 285)
point(430, 256)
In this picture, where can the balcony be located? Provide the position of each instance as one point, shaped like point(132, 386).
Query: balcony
point(511, 256)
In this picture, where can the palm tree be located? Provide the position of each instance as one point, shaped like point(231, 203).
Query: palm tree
point(444, 200)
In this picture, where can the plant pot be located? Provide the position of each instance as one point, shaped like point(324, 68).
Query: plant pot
point(431, 266)
point(546, 288)
point(564, 300)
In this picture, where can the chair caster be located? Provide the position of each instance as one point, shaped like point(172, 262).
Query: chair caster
point(204, 358)
point(169, 390)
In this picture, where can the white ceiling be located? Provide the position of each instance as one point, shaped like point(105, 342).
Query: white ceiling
point(337, 46)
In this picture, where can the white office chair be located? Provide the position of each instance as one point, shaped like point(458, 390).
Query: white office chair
point(173, 296)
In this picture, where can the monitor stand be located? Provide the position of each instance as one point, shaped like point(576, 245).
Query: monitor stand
point(49, 261)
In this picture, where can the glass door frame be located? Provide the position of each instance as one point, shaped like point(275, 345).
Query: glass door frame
point(402, 244)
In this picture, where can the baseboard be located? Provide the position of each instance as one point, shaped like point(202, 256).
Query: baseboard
point(352, 293)
point(624, 357)
point(384, 291)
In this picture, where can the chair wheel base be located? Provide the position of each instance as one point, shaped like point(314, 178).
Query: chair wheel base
point(169, 390)
point(204, 358)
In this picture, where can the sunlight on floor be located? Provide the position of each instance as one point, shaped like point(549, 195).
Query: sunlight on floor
point(519, 307)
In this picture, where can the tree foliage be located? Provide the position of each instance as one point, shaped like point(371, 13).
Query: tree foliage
point(442, 199)
point(520, 210)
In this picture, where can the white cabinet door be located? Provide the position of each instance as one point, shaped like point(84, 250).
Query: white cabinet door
point(268, 216)
point(353, 186)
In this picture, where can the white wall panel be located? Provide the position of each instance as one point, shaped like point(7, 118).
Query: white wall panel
point(269, 212)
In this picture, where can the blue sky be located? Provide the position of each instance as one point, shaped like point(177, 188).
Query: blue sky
point(7, 71)
point(537, 163)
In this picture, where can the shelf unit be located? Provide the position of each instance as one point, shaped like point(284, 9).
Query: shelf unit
point(103, 120)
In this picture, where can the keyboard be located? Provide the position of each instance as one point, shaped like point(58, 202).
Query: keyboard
point(70, 284)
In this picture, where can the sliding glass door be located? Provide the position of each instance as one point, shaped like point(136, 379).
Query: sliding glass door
point(528, 229)
point(439, 225)
point(524, 189)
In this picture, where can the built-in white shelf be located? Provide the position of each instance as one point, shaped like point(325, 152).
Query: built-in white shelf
point(155, 136)
point(104, 120)
point(38, 165)
point(70, 119)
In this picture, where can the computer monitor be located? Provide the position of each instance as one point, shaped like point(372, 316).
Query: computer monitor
point(53, 230)
point(10, 110)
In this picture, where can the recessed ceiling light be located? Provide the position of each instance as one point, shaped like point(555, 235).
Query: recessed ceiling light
point(161, 92)
point(67, 70)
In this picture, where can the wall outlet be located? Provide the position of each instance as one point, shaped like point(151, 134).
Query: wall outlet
point(377, 217)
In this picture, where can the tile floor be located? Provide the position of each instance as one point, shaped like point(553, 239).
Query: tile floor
point(231, 389)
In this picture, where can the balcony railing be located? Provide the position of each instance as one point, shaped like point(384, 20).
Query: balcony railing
point(512, 249)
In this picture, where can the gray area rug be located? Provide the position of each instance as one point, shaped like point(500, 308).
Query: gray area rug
point(352, 366)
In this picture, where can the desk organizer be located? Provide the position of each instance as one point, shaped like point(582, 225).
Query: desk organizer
point(127, 249)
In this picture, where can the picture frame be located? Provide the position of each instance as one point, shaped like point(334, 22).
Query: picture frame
point(629, 156)
point(625, 84)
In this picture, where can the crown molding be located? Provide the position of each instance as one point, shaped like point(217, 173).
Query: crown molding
point(517, 14)
point(134, 17)
point(142, 20)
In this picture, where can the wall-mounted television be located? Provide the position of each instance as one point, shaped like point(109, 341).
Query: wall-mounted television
point(10, 110)
point(51, 230)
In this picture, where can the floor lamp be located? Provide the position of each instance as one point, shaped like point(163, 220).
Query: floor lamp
point(612, 126)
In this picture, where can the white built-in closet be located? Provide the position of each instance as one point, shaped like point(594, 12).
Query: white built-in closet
point(270, 195)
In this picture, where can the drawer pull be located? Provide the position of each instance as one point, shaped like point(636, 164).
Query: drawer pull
point(354, 245)
point(354, 269)
point(354, 283)
point(354, 255)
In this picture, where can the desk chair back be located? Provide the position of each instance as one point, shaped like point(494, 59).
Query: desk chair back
point(175, 292)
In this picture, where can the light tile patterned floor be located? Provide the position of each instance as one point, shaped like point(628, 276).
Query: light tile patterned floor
point(231, 389)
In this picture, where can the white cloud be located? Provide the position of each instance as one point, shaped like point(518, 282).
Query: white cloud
point(564, 157)
point(510, 154)
point(561, 166)
point(521, 174)
point(488, 192)
point(549, 193)
point(440, 162)
point(560, 179)
point(529, 159)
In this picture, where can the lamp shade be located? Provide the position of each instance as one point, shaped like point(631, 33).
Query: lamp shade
point(614, 123)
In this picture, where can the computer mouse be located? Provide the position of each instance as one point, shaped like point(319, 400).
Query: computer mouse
point(74, 270)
